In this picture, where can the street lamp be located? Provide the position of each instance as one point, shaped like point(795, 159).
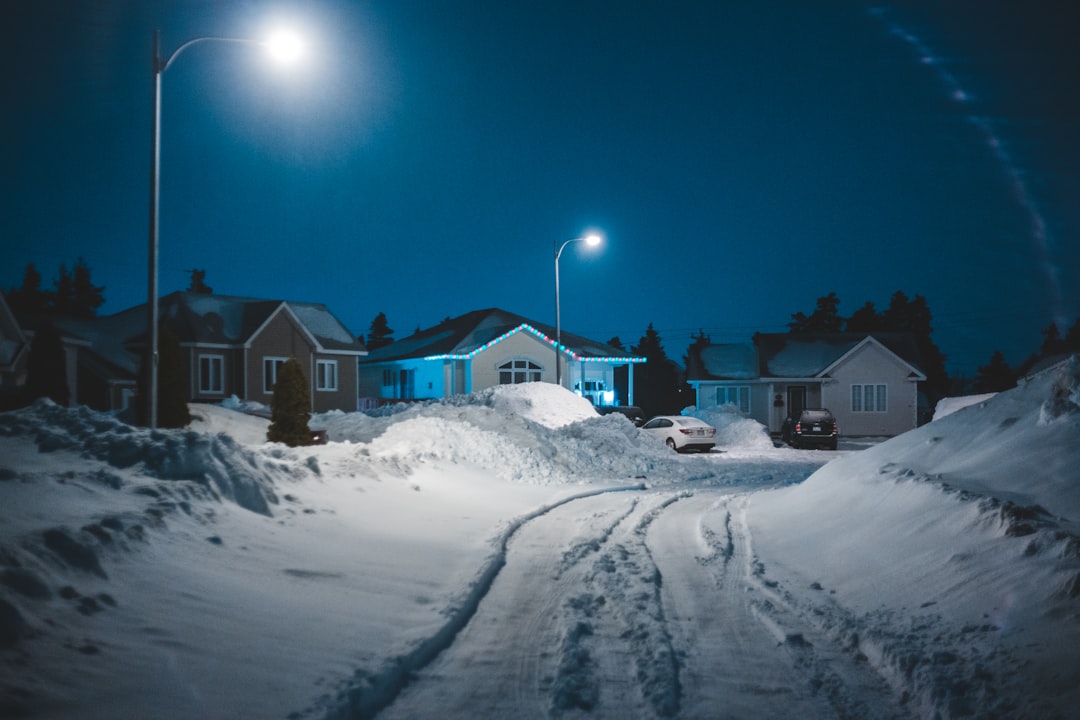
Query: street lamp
point(285, 47)
point(592, 240)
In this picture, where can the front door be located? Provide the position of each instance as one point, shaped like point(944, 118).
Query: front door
point(796, 400)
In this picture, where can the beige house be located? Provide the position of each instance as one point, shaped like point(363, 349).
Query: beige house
point(870, 382)
point(492, 347)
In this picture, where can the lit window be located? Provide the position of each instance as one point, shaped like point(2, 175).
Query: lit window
point(326, 374)
point(519, 371)
point(211, 374)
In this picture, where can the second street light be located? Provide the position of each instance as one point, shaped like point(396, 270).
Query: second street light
point(592, 240)
point(284, 47)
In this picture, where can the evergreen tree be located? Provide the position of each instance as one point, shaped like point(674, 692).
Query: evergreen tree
point(1053, 343)
point(656, 382)
point(172, 397)
point(46, 367)
point(995, 376)
point(824, 319)
point(616, 343)
point(62, 299)
point(1072, 338)
point(290, 408)
point(173, 409)
point(865, 320)
point(86, 296)
point(29, 297)
point(379, 335)
point(913, 316)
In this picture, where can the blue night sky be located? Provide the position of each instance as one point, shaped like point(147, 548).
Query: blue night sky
point(742, 159)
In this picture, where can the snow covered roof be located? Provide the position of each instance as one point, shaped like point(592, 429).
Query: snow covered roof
point(786, 355)
point(734, 361)
point(473, 332)
point(218, 320)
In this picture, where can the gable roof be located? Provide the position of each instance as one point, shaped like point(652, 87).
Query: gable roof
point(13, 341)
point(800, 355)
point(208, 320)
point(467, 335)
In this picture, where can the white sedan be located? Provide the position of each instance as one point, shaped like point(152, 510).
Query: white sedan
point(681, 432)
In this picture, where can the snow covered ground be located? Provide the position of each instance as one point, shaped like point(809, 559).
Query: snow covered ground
point(510, 553)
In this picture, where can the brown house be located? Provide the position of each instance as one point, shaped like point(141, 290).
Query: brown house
point(232, 346)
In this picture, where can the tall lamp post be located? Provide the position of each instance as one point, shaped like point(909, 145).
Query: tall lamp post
point(592, 240)
point(285, 47)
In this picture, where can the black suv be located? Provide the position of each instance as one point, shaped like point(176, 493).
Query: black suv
point(812, 427)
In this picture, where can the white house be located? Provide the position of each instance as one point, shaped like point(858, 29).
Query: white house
point(490, 347)
point(870, 382)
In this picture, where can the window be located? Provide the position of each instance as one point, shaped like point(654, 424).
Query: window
point(389, 378)
point(326, 374)
point(518, 371)
point(211, 374)
point(737, 395)
point(271, 368)
point(870, 398)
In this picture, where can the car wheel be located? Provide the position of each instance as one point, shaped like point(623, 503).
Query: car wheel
point(671, 444)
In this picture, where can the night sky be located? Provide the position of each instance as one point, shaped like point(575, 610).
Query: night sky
point(741, 158)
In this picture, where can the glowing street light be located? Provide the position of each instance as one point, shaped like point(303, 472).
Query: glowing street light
point(284, 47)
point(592, 240)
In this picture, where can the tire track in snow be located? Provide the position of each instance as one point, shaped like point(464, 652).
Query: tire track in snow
point(367, 695)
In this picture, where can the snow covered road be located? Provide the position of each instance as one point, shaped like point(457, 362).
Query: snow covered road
point(638, 604)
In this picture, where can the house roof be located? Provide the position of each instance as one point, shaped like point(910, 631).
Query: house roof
point(210, 320)
point(12, 339)
point(786, 355)
point(466, 335)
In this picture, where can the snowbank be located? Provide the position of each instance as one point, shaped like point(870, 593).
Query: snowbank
point(951, 554)
point(947, 406)
point(733, 429)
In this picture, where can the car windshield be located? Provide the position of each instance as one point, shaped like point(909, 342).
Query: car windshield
point(688, 421)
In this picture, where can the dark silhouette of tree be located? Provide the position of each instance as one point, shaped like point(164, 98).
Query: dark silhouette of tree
point(865, 320)
point(824, 319)
point(46, 374)
point(28, 298)
point(76, 296)
point(379, 334)
point(656, 383)
point(616, 343)
point(1072, 338)
point(290, 408)
point(913, 316)
point(172, 395)
point(995, 376)
point(173, 409)
point(198, 286)
point(1053, 343)
point(87, 296)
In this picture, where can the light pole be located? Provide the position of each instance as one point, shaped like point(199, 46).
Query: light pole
point(283, 46)
point(592, 240)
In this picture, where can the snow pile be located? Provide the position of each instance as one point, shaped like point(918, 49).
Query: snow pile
point(950, 555)
point(216, 463)
point(533, 433)
point(947, 406)
point(733, 429)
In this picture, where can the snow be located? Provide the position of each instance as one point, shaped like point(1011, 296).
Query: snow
point(481, 554)
point(947, 406)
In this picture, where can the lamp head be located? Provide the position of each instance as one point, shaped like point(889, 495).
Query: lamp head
point(593, 239)
point(285, 46)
